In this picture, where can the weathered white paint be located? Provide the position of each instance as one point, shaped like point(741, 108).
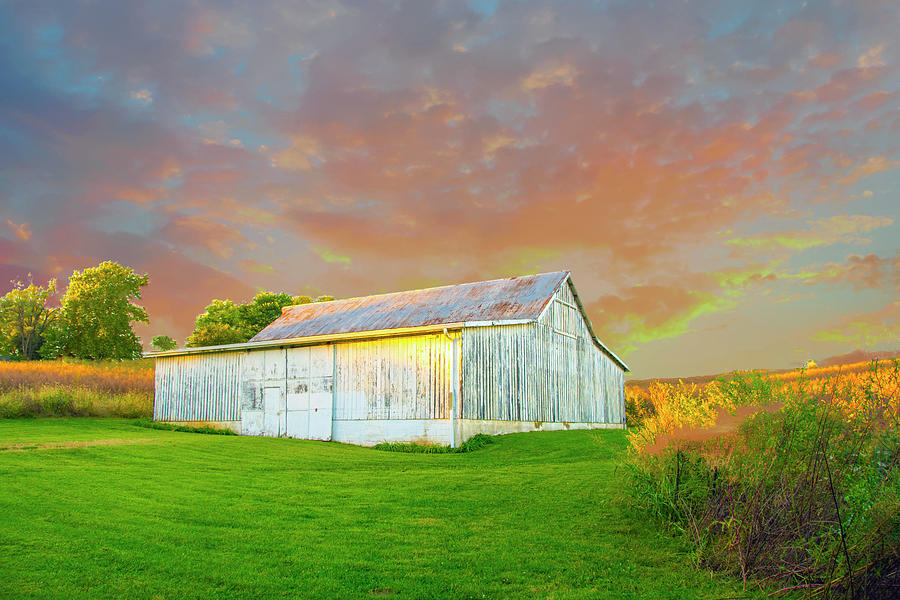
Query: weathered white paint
point(198, 388)
point(550, 371)
point(469, 427)
point(369, 433)
point(274, 424)
point(394, 379)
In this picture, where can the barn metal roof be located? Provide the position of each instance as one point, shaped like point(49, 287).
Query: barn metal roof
point(498, 300)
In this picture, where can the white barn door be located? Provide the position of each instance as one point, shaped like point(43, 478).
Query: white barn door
point(321, 391)
point(273, 402)
point(263, 410)
point(310, 381)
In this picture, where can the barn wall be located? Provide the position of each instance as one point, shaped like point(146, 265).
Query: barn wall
point(550, 371)
point(399, 378)
point(205, 387)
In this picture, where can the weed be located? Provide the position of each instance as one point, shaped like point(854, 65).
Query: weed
point(475, 442)
point(151, 424)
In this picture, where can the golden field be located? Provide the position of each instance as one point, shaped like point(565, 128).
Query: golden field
point(76, 388)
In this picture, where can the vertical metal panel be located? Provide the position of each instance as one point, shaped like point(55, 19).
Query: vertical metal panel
point(394, 378)
point(548, 371)
point(203, 387)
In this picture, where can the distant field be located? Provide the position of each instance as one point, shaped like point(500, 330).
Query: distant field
point(76, 388)
point(781, 374)
point(99, 508)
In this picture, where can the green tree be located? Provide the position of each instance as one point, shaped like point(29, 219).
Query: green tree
point(263, 309)
point(163, 342)
point(220, 323)
point(98, 312)
point(25, 318)
point(224, 322)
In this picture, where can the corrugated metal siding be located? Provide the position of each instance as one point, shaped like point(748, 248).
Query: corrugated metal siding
point(198, 388)
point(394, 378)
point(548, 371)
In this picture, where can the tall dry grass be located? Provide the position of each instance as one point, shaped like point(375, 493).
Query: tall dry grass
point(76, 388)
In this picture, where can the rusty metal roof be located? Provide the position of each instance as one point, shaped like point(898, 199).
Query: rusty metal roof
point(504, 300)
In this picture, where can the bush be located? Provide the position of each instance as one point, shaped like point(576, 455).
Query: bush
point(808, 495)
point(638, 406)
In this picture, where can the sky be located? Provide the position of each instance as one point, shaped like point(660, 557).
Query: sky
point(722, 179)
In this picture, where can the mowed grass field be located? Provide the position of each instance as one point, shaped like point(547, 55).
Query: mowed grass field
point(99, 508)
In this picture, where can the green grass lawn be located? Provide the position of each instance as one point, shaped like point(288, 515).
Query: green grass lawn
point(161, 514)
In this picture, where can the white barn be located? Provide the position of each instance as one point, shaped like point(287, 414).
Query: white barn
point(435, 366)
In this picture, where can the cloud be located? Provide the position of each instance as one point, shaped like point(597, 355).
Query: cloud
point(143, 96)
point(827, 231)
point(861, 272)
point(201, 232)
point(647, 313)
point(21, 231)
point(254, 266)
point(873, 165)
point(866, 329)
point(550, 75)
point(871, 57)
point(300, 155)
point(436, 144)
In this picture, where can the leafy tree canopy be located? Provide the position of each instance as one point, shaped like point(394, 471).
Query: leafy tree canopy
point(25, 318)
point(163, 342)
point(98, 312)
point(224, 322)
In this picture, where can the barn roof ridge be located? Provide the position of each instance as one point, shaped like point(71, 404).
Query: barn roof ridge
point(436, 287)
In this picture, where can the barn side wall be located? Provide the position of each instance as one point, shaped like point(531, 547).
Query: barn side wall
point(522, 377)
point(199, 388)
point(394, 389)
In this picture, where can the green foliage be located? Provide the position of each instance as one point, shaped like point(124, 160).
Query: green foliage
point(151, 424)
point(476, 442)
point(638, 406)
point(808, 495)
point(163, 342)
point(25, 318)
point(98, 311)
point(224, 322)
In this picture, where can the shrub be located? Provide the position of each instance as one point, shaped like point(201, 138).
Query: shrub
point(808, 495)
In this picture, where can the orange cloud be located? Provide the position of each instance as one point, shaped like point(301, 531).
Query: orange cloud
point(198, 231)
point(23, 231)
point(866, 329)
point(861, 272)
point(822, 232)
point(872, 165)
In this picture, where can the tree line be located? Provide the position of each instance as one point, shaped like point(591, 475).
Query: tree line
point(95, 315)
